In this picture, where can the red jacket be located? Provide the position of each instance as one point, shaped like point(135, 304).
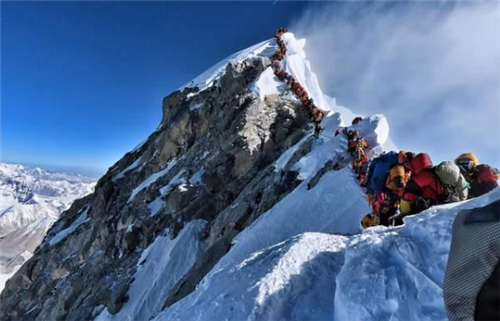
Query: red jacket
point(429, 185)
point(483, 180)
point(423, 181)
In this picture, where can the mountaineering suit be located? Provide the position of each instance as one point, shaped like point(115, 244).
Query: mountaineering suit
point(399, 174)
point(424, 188)
point(382, 200)
point(397, 179)
point(356, 148)
point(384, 205)
point(482, 178)
point(315, 113)
point(472, 279)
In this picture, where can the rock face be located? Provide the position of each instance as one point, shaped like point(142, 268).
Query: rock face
point(211, 160)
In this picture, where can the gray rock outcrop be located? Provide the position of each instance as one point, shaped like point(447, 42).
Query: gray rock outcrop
point(210, 159)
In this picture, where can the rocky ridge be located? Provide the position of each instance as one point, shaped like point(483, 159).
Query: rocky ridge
point(211, 160)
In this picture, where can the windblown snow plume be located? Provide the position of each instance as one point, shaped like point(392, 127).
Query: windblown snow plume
point(430, 67)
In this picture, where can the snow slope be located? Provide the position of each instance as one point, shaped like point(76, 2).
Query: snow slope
point(31, 200)
point(161, 265)
point(291, 280)
point(290, 265)
point(379, 274)
point(306, 218)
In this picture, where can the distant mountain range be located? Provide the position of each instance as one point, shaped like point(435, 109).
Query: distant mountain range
point(31, 200)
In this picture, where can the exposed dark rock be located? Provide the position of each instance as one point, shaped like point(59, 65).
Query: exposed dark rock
point(233, 139)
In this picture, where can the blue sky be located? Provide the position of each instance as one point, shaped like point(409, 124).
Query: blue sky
point(82, 82)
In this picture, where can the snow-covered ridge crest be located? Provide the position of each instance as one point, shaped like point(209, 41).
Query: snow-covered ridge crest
point(297, 65)
point(209, 77)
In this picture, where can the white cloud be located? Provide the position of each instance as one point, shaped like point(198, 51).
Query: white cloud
point(433, 68)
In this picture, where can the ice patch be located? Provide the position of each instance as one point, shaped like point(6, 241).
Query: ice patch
point(133, 166)
point(196, 106)
point(267, 84)
point(151, 179)
point(176, 180)
point(197, 177)
point(156, 205)
point(82, 219)
point(286, 156)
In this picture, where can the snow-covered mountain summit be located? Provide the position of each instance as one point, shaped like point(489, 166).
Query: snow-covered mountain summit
point(31, 200)
point(233, 210)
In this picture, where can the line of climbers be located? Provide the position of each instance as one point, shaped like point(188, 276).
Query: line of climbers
point(404, 183)
point(315, 113)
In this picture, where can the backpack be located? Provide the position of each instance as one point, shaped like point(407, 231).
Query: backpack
point(378, 170)
point(420, 162)
point(454, 184)
point(448, 173)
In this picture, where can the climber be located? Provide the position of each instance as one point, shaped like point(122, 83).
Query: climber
point(482, 178)
point(278, 55)
point(384, 206)
point(376, 174)
point(387, 176)
point(356, 148)
point(399, 174)
point(455, 185)
point(315, 113)
point(356, 120)
point(280, 74)
point(280, 31)
point(317, 117)
point(423, 190)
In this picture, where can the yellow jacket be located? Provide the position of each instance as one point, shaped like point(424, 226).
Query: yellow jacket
point(398, 178)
